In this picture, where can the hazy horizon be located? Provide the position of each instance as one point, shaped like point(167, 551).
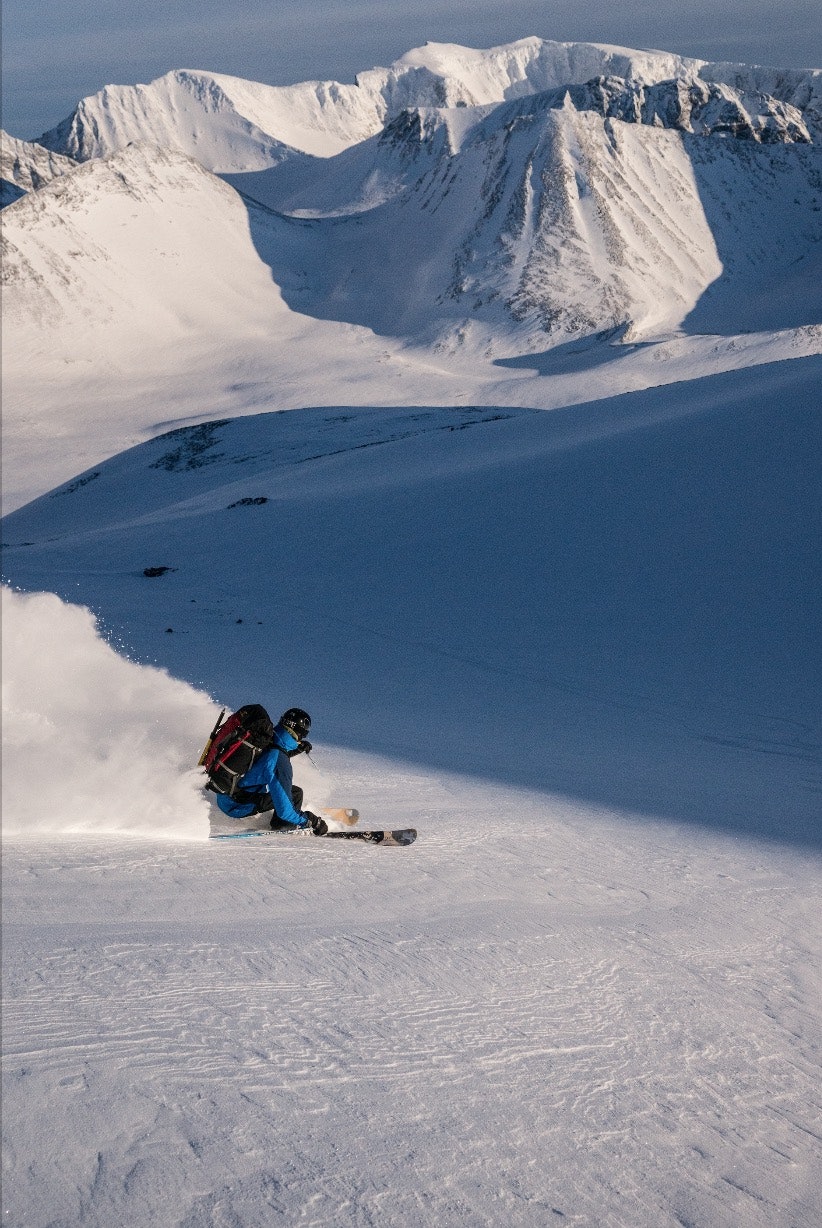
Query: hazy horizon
point(55, 54)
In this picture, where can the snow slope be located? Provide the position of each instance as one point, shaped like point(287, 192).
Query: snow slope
point(583, 1023)
point(91, 253)
point(636, 578)
point(577, 651)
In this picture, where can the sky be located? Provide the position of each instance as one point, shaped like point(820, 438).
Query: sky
point(56, 52)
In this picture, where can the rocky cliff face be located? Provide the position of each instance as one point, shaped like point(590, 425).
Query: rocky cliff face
point(26, 166)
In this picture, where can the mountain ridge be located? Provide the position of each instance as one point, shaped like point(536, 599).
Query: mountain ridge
point(547, 249)
point(261, 125)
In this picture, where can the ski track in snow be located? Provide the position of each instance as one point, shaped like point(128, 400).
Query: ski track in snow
point(488, 1028)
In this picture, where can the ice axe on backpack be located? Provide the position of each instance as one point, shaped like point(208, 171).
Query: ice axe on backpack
point(211, 738)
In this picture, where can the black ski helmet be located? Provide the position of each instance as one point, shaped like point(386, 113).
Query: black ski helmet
point(298, 722)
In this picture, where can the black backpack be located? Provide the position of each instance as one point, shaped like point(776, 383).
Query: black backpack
point(234, 746)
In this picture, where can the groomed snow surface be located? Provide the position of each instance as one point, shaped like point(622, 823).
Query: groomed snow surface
point(564, 1017)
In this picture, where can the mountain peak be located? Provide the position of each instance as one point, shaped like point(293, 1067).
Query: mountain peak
point(233, 125)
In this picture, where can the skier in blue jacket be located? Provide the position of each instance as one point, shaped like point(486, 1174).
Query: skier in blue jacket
point(268, 784)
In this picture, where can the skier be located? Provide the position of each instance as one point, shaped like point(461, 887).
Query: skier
point(268, 785)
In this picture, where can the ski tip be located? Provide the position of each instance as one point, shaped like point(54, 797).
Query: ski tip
point(403, 835)
point(348, 816)
point(407, 836)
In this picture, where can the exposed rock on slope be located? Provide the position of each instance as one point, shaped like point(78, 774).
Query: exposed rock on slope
point(26, 166)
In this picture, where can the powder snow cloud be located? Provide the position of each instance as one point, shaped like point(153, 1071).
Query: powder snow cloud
point(93, 742)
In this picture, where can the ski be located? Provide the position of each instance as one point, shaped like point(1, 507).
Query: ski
point(258, 831)
point(400, 836)
point(347, 816)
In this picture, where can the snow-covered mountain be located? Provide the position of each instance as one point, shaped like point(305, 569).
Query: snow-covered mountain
point(570, 212)
point(134, 295)
point(449, 223)
point(26, 166)
point(140, 249)
point(233, 125)
point(541, 221)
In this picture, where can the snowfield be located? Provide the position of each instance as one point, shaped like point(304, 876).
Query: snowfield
point(536, 544)
point(568, 1016)
point(577, 653)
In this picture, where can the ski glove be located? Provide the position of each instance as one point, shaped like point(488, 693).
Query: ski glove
point(303, 748)
point(317, 825)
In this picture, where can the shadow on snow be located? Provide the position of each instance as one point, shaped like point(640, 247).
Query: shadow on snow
point(617, 602)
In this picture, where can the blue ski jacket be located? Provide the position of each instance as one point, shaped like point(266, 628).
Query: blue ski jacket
point(272, 773)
